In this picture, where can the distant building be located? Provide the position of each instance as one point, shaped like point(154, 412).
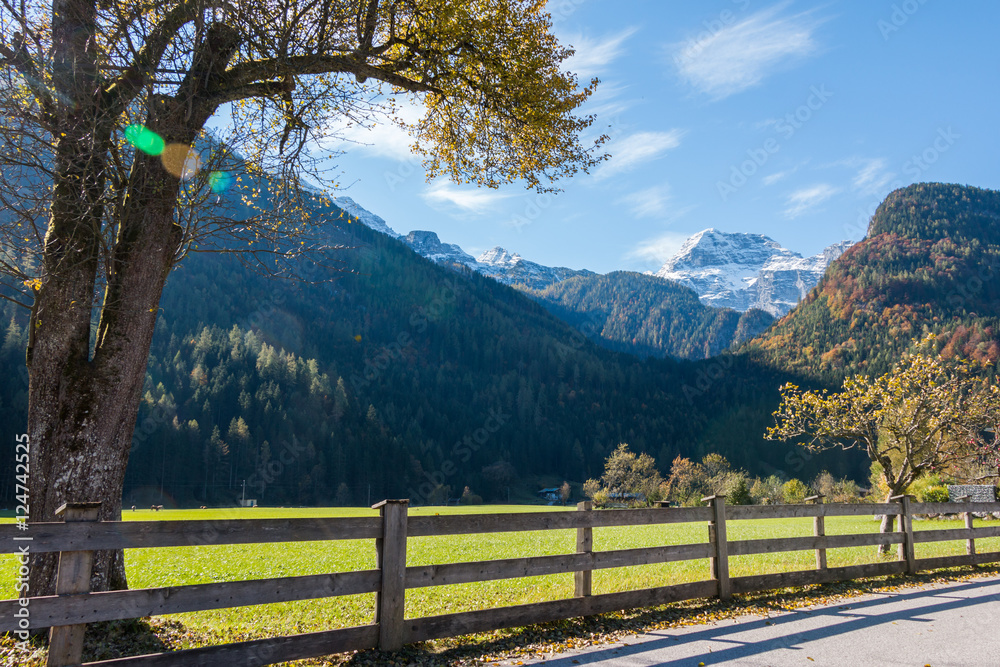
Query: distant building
point(551, 495)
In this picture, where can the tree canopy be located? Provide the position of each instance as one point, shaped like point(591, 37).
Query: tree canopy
point(103, 88)
point(627, 477)
point(925, 414)
point(106, 168)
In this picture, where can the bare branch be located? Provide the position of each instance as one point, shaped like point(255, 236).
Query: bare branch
point(274, 68)
point(140, 73)
point(15, 301)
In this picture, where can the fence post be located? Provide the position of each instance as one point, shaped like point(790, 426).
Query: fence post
point(390, 553)
point(73, 576)
point(583, 580)
point(819, 530)
point(970, 544)
point(906, 551)
point(719, 562)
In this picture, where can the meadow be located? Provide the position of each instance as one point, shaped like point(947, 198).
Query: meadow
point(150, 568)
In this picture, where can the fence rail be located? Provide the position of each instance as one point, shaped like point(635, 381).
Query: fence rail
point(68, 612)
point(50, 537)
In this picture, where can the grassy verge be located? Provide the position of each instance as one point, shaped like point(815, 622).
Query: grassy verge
point(149, 568)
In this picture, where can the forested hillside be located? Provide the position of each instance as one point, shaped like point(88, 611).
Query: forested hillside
point(649, 316)
point(401, 376)
point(931, 263)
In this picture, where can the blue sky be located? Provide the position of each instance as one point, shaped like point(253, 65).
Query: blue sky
point(790, 119)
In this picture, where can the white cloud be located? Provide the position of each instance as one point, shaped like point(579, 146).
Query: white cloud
point(872, 176)
point(381, 138)
point(608, 114)
point(741, 55)
point(472, 200)
point(647, 203)
point(604, 104)
point(631, 151)
point(777, 176)
point(593, 55)
point(767, 124)
point(657, 250)
point(771, 179)
point(802, 200)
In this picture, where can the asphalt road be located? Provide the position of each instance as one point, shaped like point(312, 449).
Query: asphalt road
point(947, 625)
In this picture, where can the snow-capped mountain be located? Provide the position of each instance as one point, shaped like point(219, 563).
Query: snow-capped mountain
point(430, 246)
point(743, 271)
point(502, 266)
point(512, 269)
point(365, 216)
point(727, 270)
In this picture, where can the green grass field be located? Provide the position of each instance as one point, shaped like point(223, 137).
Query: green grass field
point(150, 568)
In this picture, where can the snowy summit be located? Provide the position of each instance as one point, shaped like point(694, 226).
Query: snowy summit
point(365, 216)
point(743, 271)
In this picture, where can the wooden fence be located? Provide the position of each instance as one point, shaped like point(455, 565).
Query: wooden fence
point(68, 612)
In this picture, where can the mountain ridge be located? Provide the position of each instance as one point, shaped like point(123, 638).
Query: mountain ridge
point(649, 316)
point(497, 263)
point(735, 270)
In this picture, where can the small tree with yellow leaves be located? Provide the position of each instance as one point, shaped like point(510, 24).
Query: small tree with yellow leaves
point(927, 414)
point(627, 477)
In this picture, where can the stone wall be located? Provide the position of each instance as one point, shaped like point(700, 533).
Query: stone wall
point(978, 493)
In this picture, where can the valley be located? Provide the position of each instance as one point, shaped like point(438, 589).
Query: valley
point(382, 381)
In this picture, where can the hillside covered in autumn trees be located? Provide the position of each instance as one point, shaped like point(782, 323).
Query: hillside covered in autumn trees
point(930, 263)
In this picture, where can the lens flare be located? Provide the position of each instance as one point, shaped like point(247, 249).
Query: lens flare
point(144, 139)
point(181, 161)
point(219, 181)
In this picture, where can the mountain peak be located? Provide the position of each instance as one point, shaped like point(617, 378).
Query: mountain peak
point(934, 211)
point(710, 231)
point(428, 244)
point(497, 263)
point(913, 233)
point(365, 216)
point(711, 247)
point(422, 236)
point(743, 271)
point(499, 257)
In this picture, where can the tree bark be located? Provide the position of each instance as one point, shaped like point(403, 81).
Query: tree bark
point(888, 525)
point(81, 407)
point(67, 421)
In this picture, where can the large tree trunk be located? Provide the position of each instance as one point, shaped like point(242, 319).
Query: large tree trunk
point(67, 420)
point(82, 410)
point(82, 407)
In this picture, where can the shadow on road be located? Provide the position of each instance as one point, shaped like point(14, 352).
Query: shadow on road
point(842, 618)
